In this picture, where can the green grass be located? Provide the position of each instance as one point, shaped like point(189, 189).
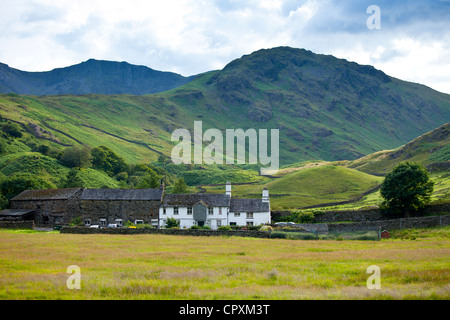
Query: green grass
point(309, 186)
point(33, 266)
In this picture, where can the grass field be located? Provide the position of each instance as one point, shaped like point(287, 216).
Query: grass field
point(33, 266)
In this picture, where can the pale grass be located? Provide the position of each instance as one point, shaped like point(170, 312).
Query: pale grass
point(33, 266)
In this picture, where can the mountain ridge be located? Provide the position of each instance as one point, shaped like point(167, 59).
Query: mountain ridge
point(325, 108)
point(90, 77)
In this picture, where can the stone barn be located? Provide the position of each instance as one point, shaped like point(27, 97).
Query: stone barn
point(116, 206)
point(51, 206)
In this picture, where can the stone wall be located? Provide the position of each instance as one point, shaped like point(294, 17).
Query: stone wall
point(50, 212)
point(17, 224)
point(402, 223)
point(119, 209)
point(349, 215)
point(362, 214)
point(182, 232)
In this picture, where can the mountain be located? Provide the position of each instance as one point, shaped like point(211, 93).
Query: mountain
point(92, 76)
point(432, 149)
point(325, 108)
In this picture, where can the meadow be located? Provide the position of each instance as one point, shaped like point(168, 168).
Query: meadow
point(33, 265)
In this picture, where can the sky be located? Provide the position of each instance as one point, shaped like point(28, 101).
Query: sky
point(407, 39)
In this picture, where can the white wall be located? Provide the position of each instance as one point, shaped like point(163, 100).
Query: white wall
point(242, 219)
point(187, 220)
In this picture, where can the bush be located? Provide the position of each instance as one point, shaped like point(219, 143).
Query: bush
point(76, 222)
point(172, 223)
point(12, 130)
point(266, 228)
point(300, 216)
point(224, 228)
point(144, 226)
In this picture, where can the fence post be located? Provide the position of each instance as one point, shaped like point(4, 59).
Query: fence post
point(379, 233)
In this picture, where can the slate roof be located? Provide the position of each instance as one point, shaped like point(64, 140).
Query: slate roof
point(16, 212)
point(248, 205)
point(46, 194)
point(213, 200)
point(122, 194)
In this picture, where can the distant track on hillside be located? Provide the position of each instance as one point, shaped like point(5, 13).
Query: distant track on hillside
point(124, 139)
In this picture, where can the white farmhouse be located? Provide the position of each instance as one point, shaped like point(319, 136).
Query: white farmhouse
point(214, 210)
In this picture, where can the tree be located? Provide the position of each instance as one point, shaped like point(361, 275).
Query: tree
point(150, 180)
point(72, 180)
point(180, 186)
point(105, 159)
point(15, 184)
point(12, 130)
point(406, 188)
point(75, 157)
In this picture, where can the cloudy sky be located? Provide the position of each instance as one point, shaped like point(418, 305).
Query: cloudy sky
point(190, 37)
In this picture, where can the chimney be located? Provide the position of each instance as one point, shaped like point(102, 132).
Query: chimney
point(228, 189)
point(265, 195)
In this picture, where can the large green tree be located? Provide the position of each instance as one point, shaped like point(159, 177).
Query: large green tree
point(15, 184)
point(76, 157)
point(180, 186)
point(105, 159)
point(406, 188)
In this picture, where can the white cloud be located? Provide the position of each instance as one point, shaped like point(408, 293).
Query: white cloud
point(190, 37)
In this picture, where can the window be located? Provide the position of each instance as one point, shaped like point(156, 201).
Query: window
point(189, 210)
point(119, 222)
point(250, 223)
point(220, 211)
point(210, 210)
point(237, 214)
point(175, 210)
point(138, 221)
point(232, 223)
point(87, 222)
point(103, 222)
point(164, 210)
point(249, 215)
point(219, 223)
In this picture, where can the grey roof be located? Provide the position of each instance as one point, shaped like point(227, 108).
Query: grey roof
point(46, 194)
point(122, 194)
point(248, 205)
point(16, 212)
point(210, 199)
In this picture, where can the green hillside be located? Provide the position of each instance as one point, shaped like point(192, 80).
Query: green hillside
point(325, 108)
point(308, 187)
point(335, 119)
point(432, 149)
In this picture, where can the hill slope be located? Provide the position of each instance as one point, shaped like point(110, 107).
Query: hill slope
point(432, 149)
point(325, 108)
point(92, 76)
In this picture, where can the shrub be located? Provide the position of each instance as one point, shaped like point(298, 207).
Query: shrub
point(144, 226)
point(300, 216)
point(224, 228)
point(172, 223)
point(76, 222)
point(266, 228)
